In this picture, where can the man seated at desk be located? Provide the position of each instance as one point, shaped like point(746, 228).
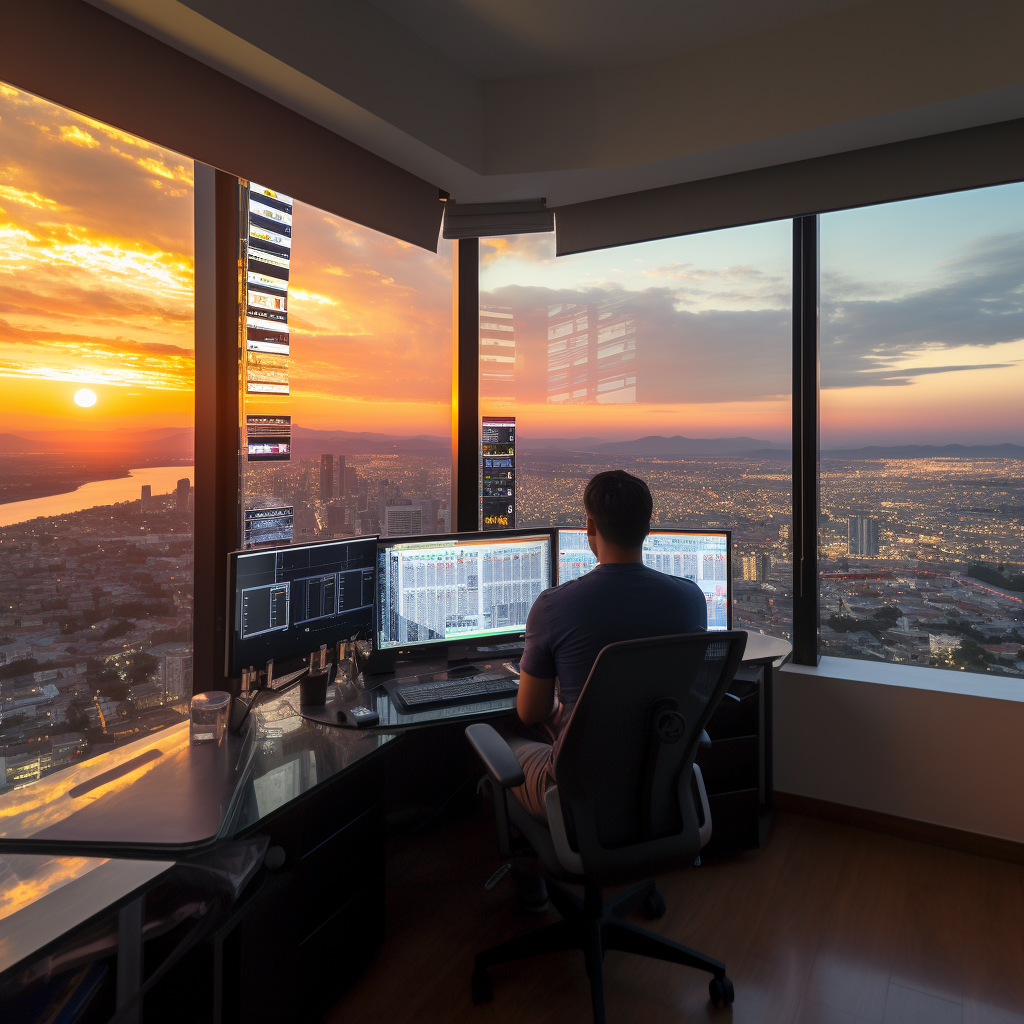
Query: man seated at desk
point(620, 599)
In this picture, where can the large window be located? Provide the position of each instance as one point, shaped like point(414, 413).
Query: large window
point(96, 424)
point(922, 464)
point(668, 359)
point(366, 382)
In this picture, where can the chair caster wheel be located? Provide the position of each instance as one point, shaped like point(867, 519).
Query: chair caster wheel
point(654, 905)
point(481, 986)
point(721, 991)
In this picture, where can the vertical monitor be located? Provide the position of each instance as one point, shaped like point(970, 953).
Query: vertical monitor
point(286, 601)
point(458, 588)
point(703, 556)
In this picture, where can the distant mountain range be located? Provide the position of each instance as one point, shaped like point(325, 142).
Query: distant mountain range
point(308, 443)
point(652, 444)
point(166, 441)
point(929, 451)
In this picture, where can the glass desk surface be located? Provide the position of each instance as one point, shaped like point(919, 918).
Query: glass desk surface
point(160, 793)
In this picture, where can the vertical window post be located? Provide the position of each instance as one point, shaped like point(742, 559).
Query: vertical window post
point(465, 384)
point(805, 440)
point(217, 493)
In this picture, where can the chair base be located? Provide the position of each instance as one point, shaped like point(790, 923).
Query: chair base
point(594, 927)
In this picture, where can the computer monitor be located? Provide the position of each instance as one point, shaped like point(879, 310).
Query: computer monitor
point(704, 556)
point(463, 588)
point(287, 601)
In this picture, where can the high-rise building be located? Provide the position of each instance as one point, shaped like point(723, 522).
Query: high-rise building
point(756, 567)
point(351, 480)
point(497, 353)
point(591, 352)
point(862, 535)
point(403, 520)
point(431, 509)
point(326, 478)
point(338, 485)
point(181, 496)
point(340, 520)
point(147, 497)
point(174, 670)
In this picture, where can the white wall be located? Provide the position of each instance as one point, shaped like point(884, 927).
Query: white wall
point(883, 738)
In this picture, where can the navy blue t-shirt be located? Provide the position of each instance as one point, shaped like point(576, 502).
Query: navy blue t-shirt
point(569, 625)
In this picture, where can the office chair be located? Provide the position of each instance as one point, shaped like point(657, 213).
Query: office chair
point(628, 802)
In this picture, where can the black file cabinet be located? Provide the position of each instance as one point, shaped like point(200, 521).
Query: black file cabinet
point(734, 767)
point(312, 925)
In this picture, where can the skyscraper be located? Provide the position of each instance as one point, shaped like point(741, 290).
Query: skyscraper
point(338, 487)
point(181, 496)
point(862, 536)
point(497, 353)
point(326, 478)
point(403, 520)
point(591, 352)
point(756, 567)
point(147, 497)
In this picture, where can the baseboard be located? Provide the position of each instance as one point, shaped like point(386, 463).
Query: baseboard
point(905, 828)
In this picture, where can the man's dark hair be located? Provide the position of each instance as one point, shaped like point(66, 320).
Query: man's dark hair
point(621, 507)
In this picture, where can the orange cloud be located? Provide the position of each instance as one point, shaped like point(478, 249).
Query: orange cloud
point(77, 137)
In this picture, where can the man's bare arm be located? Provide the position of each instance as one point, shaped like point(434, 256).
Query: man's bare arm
point(536, 698)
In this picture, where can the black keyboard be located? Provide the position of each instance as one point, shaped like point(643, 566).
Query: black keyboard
point(485, 686)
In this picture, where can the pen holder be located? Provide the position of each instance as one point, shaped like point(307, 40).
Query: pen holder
point(313, 687)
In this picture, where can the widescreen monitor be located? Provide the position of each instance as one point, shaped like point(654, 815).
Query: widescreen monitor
point(704, 556)
point(459, 588)
point(287, 601)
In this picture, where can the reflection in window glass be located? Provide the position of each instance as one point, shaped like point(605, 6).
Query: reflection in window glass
point(368, 372)
point(96, 422)
point(922, 469)
point(668, 359)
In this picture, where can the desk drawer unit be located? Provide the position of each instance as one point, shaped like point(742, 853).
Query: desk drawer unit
point(733, 768)
point(312, 925)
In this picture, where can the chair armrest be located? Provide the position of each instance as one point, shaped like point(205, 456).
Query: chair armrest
point(502, 765)
point(705, 740)
point(567, 856)
point(705, 829)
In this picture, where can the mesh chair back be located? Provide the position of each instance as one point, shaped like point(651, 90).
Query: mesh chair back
point(624, 767)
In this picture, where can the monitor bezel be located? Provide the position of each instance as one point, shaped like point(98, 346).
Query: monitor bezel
point(428, 646)
point(233, 670)
point(686, 531)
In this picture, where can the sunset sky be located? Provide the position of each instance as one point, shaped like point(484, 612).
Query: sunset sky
point(95, 273)
point(922, 320)
point(371, 331)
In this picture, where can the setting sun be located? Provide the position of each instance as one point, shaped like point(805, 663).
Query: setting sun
point(85, 398)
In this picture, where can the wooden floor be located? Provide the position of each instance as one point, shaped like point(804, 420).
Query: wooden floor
point(826, 924)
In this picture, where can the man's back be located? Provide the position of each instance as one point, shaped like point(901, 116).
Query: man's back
point(570, 624)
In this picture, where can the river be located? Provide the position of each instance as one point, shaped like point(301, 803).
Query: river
point(163, 480)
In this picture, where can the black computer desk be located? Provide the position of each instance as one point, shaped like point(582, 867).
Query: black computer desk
point(314, 791)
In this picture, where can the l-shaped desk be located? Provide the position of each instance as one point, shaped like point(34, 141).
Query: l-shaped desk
point(312, 792)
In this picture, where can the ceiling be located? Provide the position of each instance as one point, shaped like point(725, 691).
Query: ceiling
point(579, 99)
point(499, 39)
